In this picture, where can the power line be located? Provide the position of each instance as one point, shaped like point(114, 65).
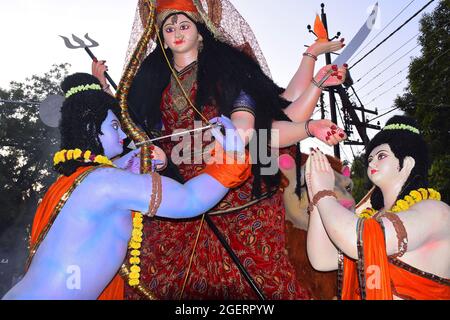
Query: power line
point(388, 67)
point(18, 102)
point(382, 30)
point(435, 105)
point(385, 58)
point(401, 71)
point(382, 94)
point(394, 32)
point(414, 73)
point(386, 81)
point(382, 115)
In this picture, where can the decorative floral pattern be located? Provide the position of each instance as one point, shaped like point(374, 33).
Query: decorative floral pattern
point(401, 126)
point(256, 234)
point(81, 88)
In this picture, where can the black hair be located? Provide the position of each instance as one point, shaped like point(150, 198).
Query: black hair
point(403, 143)
point(223, 72)
point(82, 115)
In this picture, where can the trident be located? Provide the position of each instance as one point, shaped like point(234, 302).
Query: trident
point(82, 44)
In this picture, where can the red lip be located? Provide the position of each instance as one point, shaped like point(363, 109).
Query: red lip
point(121, 142)
point(373, 171)
point(178, 42)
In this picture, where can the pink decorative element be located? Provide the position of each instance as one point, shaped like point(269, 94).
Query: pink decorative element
point(286, 162)
point(346, 172)
point(348, 204)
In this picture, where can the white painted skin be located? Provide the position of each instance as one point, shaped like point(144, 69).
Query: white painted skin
point(332, 226)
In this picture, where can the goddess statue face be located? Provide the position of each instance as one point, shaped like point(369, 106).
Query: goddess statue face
point(384, 166)
point(112, 136)
point(181, 34)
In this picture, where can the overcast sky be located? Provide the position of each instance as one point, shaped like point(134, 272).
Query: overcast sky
point(30, 44)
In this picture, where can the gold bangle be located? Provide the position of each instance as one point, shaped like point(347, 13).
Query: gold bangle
point(314, 82)
point(307, 54)
point(307, 128)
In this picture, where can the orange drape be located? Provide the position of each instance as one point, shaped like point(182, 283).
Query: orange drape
point(227, 170)
point(382, 277)
point(47, 212)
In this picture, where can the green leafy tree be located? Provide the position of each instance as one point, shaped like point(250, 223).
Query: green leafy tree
point(26, 148)
point(427, 99)
point(361, 183)
point(428, 96)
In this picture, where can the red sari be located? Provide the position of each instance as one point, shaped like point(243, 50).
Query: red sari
point(256, 233)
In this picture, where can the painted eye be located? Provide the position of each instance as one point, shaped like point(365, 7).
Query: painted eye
point(349, 188)
point(115, 126)
point(381, 156)
point(169, 30)
point(369, 160)
point(184, 27)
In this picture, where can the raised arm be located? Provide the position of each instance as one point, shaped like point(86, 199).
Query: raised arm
point(301, 109)
point(322, 253)
point(302, 77)
point(98, 70)
point(290, 133)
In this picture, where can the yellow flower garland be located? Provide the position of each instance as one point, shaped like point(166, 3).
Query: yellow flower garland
point(136, 235)
point(135, 245)
point(76, 154)
point(408, 201)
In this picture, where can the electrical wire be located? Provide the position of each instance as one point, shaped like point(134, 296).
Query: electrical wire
point(390, 22)
point(390, 35)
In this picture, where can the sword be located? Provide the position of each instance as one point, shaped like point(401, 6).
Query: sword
point(358, 39)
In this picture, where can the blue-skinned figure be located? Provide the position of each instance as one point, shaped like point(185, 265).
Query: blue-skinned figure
point(83, 225)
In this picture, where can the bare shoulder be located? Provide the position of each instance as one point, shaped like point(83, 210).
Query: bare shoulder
point(433, 207)
point(104, 179)
point(433, 212)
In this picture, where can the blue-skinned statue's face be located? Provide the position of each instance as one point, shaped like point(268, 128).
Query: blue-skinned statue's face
point(112, 137)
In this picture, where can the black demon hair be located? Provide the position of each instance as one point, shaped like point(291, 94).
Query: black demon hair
point(82, 115)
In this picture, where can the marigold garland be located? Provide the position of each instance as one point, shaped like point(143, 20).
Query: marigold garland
point(136, 235)
point(408, 201)
point(83, 156)
point(135, 245)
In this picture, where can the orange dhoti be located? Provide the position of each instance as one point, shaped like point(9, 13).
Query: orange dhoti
point(375, 276)
point(48, 210)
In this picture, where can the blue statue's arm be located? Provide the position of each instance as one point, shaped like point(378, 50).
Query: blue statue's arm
point(198, 195)
point(133, 192)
